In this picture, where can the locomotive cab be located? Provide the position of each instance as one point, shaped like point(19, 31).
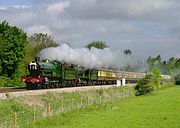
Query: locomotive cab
point(34, 69)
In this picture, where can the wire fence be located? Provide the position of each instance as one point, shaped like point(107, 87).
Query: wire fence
point(23, 119)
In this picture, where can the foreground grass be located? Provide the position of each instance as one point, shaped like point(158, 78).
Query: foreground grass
point(30, 108)
point(158, 110)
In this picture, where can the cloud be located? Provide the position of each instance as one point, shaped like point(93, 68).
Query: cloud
point(118, 9)
point(38, 29)
point(148, 27)
point(56, 8)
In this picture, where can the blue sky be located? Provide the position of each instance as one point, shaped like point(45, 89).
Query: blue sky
point(15, 2)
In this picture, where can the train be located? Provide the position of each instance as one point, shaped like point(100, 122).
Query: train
point(46, 74)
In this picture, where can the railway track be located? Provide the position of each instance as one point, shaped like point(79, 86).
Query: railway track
point(12, 89)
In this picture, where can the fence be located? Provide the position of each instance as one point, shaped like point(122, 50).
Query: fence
point(22, 119)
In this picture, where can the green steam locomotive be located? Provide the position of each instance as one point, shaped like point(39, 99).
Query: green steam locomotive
point(54, 74)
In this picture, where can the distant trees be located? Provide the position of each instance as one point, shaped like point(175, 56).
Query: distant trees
point(128, 67)
point(97, 44)
point(127, 52)
point(12, 48)
point(39, 41)
point(167, 67)
point(170, 67)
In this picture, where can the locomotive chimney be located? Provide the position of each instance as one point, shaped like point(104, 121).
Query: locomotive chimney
point(37, 59)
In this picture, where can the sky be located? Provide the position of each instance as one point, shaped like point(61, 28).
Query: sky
point(147, 27)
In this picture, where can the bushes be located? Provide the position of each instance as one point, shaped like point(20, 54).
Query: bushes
point(10, 82)
point(5, 82)
point(177, 79)
point(144, 85)
point(149, 82)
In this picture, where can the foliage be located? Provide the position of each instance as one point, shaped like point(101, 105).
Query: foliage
point(97, 44)
point(127, 52)
point(177, 79)
point(144, 85)
point(12, 48)
point(149, 82)
point(39, 41)
point(154, 62)
point(167, 67)
point(5, 81)
point(156, 76)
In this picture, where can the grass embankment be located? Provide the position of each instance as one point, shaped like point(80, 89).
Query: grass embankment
point(29, 109)
point(161, 109)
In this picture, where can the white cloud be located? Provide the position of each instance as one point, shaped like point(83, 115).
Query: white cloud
point(56, 8)
point(142, 25)
point(38, 29)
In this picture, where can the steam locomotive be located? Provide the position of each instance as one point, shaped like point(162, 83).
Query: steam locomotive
point(55, 74)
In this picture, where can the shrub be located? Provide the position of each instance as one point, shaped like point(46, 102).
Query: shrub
point(5, 81)
point(10, 82)
point(144, 85)
point(156, 79)
point(177, 79)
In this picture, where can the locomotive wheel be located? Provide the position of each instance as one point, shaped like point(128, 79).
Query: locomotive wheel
point(32, 86)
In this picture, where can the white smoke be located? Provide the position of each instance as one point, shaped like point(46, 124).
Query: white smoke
point(93, 58)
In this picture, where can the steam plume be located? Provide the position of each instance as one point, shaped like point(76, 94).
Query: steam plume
point(93, 58)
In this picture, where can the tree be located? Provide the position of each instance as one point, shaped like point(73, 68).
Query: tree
point(127, 52)
point(156, 76)
point(149, 82)
point(39, 41)
point(155, 62)
point(13, 42)
point(144, 85)
point(97, 44)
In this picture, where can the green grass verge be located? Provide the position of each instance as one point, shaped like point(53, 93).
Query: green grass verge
point(30, 108)
point(161, 109)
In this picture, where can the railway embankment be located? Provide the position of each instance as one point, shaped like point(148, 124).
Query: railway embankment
point(27, 107)
point(12, 93)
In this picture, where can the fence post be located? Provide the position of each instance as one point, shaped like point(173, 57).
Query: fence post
point(49, 108)
point(92, 101)
point(81, 102)
point(100, 100)
point(88, 101)
point(62, 105)
point(34, 114)
point(15, 120)
point(71, 103)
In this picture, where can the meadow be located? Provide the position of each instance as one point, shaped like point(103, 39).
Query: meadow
point(161, 109)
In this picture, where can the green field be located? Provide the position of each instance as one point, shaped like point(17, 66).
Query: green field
point(158, 110)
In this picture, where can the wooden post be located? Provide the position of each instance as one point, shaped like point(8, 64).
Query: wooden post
point(71, 103)
point(15, 120)
point(49, 108)
point(100, 100)
point(34, 114)
point(88, 101)
point(81, 102)
point(62, 105)
point(92, 101)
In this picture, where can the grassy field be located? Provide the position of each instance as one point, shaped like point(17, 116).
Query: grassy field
point(22, 111)
point(161, 109)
